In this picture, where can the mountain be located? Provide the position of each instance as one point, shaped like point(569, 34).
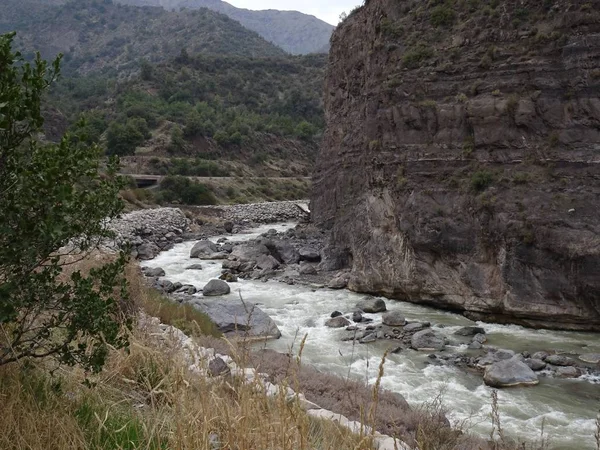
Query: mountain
point(97, 34)
point(295, 32)
point(459, 167)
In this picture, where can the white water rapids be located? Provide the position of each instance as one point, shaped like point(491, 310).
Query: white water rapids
point(566, 409)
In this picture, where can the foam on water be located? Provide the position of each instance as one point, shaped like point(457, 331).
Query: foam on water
point(566, 408)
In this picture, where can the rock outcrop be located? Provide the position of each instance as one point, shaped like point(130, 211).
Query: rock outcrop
point(461, 162)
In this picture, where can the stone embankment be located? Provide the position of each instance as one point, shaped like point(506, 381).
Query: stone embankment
point(207, 363)
point(268, 212)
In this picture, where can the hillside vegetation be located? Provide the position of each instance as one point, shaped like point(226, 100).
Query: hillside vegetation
point(98, 35)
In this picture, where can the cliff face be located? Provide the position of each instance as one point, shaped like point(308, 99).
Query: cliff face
point(461, 163)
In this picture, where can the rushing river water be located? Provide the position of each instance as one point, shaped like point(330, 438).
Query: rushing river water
point(566, 408)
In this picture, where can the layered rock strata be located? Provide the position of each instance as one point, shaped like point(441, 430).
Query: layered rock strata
point(461, 162)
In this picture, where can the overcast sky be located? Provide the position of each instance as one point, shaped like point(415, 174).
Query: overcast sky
point(327, 10)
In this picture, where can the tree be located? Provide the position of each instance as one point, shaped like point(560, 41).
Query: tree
point(52, 197)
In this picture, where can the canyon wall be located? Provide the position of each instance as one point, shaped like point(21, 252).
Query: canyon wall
point(461, 162)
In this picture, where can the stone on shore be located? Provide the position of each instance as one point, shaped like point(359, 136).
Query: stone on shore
point(154, 272)
point(215, 288)
point(508, 373)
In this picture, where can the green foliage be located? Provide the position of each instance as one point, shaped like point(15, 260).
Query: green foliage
point(442, 15)
point(177, 189)
point(415, 56)
point(122, 139)
point(50, 196)
point(481, 180)
point(177, 144)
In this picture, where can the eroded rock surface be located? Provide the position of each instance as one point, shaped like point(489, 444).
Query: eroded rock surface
point(462, 169)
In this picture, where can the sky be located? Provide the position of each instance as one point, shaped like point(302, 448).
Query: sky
point(327, 10)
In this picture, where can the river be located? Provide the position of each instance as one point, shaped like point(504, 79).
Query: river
point(566, 408)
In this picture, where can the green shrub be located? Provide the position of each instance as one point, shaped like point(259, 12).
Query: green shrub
point(442, 15)
point(183, 190)
point(481, 180)
point(416, 55)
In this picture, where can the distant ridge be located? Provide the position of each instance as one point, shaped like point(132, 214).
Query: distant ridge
point(295, 32)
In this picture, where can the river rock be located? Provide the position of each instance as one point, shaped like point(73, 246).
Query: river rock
point(535, 364)
point(148, 250)
point(337, 322)
point(427, 340)
point(475, 345)
point(194, 267)
point(228, 277)
point(540, 355)
point(154, 272)
point(510, 372)
point(335, 314)
point(309, 254)
point(416, 326)
point(357, 317)
point(249, 252)
point(217, 366)
point(307, 269)
point(206, 249)
point(494, 356)
point(394, 319)
point(371, 305)
point(188, 289)
point(559, 360)
point(235, 317)
point(339, 282)
point(266, 262)
point(228, 226)
point(215, 288)
point(568, 372)
point(592, 358)
point(166, 286)
point(368, 338)
point(469, 331)
point(481, 338)
point(284, 252)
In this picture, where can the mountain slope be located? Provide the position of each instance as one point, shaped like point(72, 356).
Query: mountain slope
point(95, 35)
point(295, 32)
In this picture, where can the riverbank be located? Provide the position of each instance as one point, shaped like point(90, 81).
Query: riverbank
point(300, 306)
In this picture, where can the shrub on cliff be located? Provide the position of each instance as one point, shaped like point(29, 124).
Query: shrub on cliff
point(50, 196)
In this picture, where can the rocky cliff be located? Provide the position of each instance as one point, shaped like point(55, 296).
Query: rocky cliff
point(461, 162)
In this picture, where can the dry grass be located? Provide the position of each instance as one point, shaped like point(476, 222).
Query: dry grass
point(146, 399)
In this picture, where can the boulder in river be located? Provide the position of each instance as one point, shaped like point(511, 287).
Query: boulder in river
point(206, 249)
point(337, 322)
point(154, 272)
point(494, 356)
point(394, 319)
point(228, 277)
point(508, 373)
point(194, 267)
point(284, 252)
point(559, 360)
point(427, 340)
point(416, 326)
point(235, 317)
point(469, 331)
point(535, 364)
point(215, 288)
point(592, 358)
point(357, 317)
point(336, 314)
point(481, 338)
point(568, 372)
point(371, 305)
